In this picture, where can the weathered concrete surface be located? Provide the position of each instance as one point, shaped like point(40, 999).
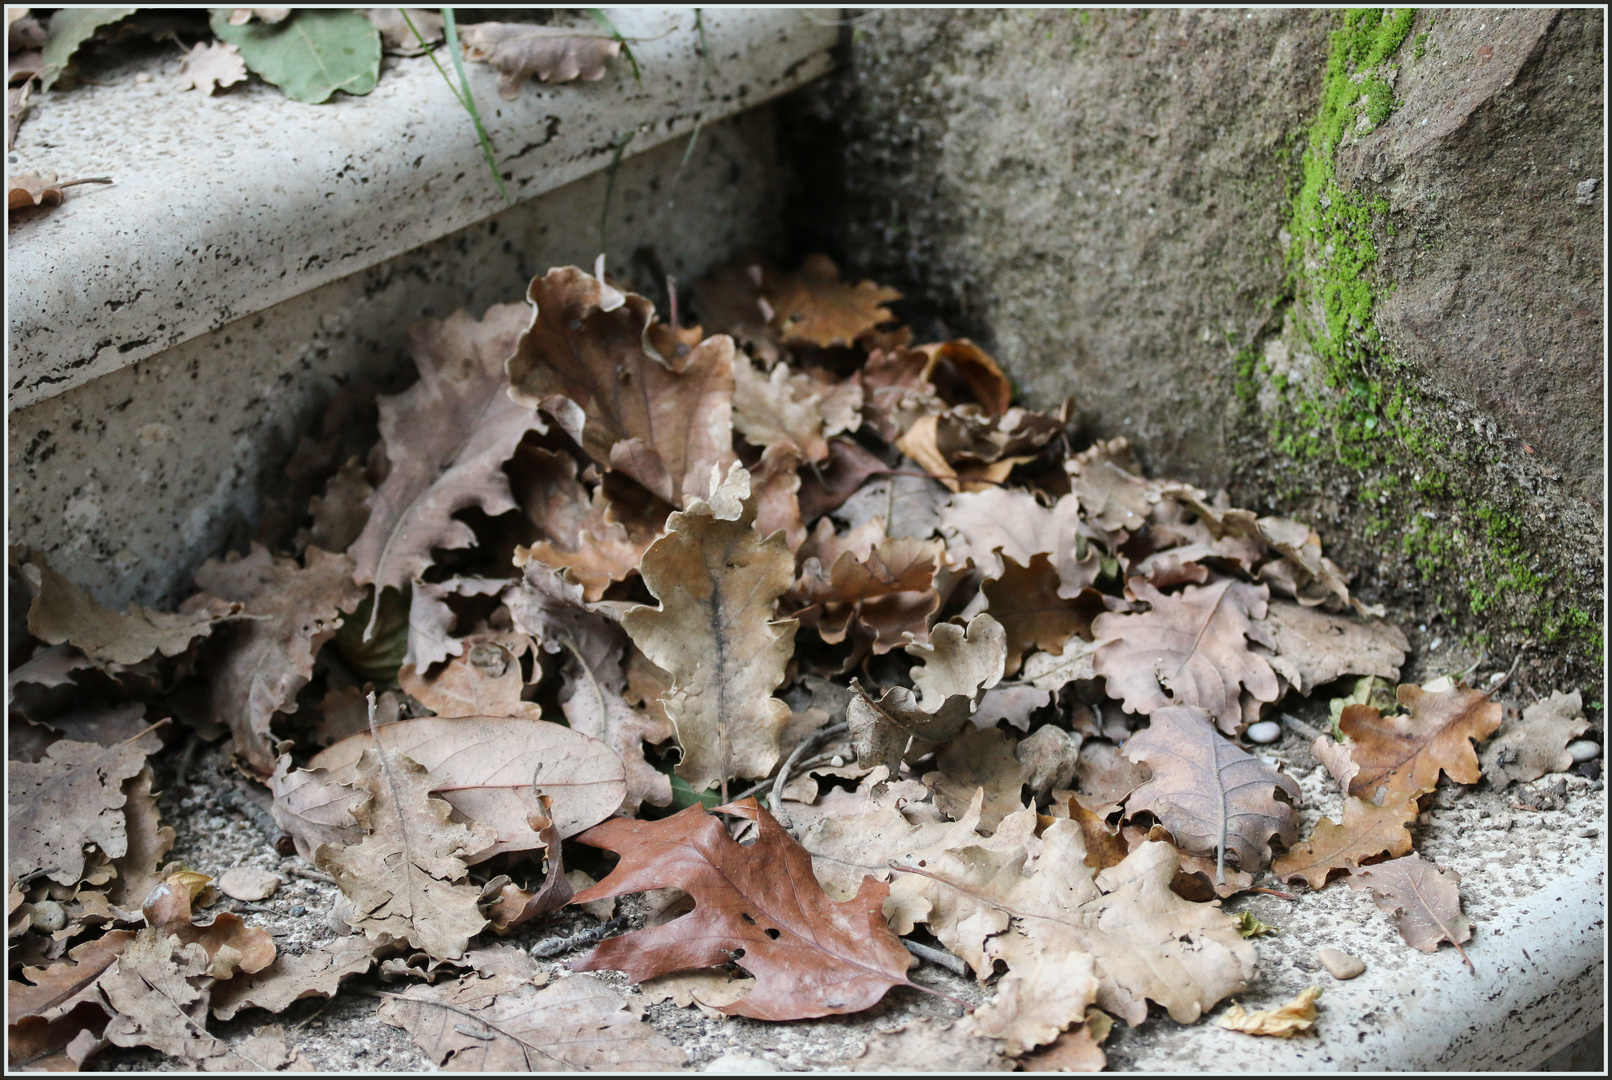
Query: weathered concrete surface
point(129, 482)
point(1104, 200)
point(1493, 277)
point(1096, 196)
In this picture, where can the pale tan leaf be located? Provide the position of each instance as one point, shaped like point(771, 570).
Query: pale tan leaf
point(504, 1025)
point(258, 664)
point(148, 841)
point(398, 36)
point(491, 770)
point(711, 990)
point(1215, 798)
point(775, 482)
point(210, 66)
point(959, 661)
point(959, 1044)
point(793, 408)
point(263, 1051)
point(227, 942)
point(813, 306)
point(1423, 900)
point(1076, 1050)
point(158, 997)
point(1536, 744)
point(1314, 648)
point(717, 581)
point(447, 438)
point(49, 993)
point(1367, 832)
point(431, 620)
point(663, 424)
point(1190, 649)
point(974, 761)
point(340, 514)
point(317, 972)
point(1297, 1017)
point(401, 879)
point(1303, 573)
point(74, 796)
point(485, 681)
point(1110, 492)
point(1054, 670)
point(61, 613)
point(908, 505)
point(888, 589)
point(551, 54)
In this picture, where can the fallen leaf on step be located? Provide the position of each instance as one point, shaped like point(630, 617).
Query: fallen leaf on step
point(812, 306)
point(958, 1043)
point(406, 31)
point(1215, 798)
point(504, 1025)
point(210, 66)
point(793, 408)
point(157, 994)
point(596, 539)
point(485, 681)
point(550, 54)
point(257, 665)
point(1190, 649)
point(1401, 756)
point(1026, 600)
point(30, 189)
point(810, 955)
point(62, 613)
point(1367, 832)
point(1297, 1017)
point(431, 620)
point(973, 761)
point(1314, 647)
point(664, 425)
point(316, 972)
point(264, 1051)
point(1537, 743)
point(710, 990)
point(888, 590)
point(1422, 899)
point(447, 438)
point(717, 581)
point(403, 879)
point(1076, 1050)
point(1111, 494)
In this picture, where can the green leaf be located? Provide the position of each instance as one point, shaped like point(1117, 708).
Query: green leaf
point(684, 796)
point(378, 658)
point(311, 55)
point(1248, 925)
point(70, 28)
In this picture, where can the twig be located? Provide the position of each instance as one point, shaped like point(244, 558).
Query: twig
point(937, 956)
point(312, 875)
point(1274, 892)
point(241, 905)
point(554, 946)
point(775, 800)
point(88, 179)
point(1301, 727)
point(1495, 689)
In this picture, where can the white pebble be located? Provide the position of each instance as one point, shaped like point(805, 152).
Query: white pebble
point(143, 77)
point(49, 916)
point(249, 883)
point(1584, 750)
point(1266, 731)
point(1340, 964)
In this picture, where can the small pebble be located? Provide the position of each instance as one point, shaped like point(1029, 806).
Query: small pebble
point(1266, 731)
point(1340, 964)
point(249, 883)
point(298, 910)
point(49, 916)
point(1584, 750)
point(143, 77)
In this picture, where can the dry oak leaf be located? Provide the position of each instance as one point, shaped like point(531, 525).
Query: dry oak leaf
point(1303, 573)
point(895, 391)
point(210, 66)
point(157, 997)
point(492, 770)
point(986, 526)
point(908, 505)
point(552, 610)
point(317, 972)
point(485, 681)
point(826, 488)
point(811, 956)
point(958, 1045)
point(1133, 937)
point(260, 663)
point(775, 482)
point(1423, 900)
point(590, 365)
point(1026, 600)
point(513, 905)
point(264, 1051)
point(60, 1045)
point(229, 944)
point(888, 589)
point(1110, 492)
point(961, 372)
point(447, 438)
point(586, 535)
point(929, 439)
point(504, 1024)
point(1536, 744)
point(717, 581)
point(812, 306)
point(53, 992)
point(340, 514)
point(960, 665)
point(1051, 671)
point(431, 620)
point(148, 841)
point(30, 189)
point(793, 408)
point(402, 36)
point(72, 797)
point(1214, 797)
point(400, 880)
point(1314, 648)
point(1400, 757)
point(707, 990)
point(1188, 650)
point(1368, 832)
point(976, 761)
point(62, 613)
point(1297, 1017)
point(551, 54)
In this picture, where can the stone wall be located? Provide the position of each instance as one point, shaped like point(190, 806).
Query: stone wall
point(1347, 266)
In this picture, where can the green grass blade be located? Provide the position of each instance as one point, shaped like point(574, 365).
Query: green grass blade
point(603, 20)
point(450, 32)
point(432, 53)
point(610, 182)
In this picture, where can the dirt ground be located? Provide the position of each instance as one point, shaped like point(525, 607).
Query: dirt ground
point(1498, 849)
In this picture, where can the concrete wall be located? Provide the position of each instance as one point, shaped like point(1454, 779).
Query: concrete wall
point(1109, 200)
point(129, 482)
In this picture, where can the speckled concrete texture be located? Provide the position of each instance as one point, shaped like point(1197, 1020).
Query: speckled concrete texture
point(128, 483)
point(223, 206)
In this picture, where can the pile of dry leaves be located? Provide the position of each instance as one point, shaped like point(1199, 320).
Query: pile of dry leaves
point(947, 675)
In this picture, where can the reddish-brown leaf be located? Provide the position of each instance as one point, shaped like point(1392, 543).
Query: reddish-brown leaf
point(1025, 601)
point(814, 307)
point(811, 956)
point(1401, 756)
point(1367, 832)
